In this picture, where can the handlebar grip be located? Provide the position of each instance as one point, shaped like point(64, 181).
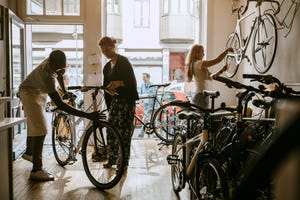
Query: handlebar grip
point(252, 76)
point(229, 82)
point(74, 87)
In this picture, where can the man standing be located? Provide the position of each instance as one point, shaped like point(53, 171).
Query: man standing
point(33, 93)
point(145, 91)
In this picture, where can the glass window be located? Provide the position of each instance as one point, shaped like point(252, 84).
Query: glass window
point(35, 7)
point(179, 6)
point(72, 7)
point(53, 7)
point(113, 7)
point(68, 38)
point(166, 7)
point(141, 13)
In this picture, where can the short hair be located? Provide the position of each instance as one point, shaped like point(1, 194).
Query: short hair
point(147, 75)
point(57, 58)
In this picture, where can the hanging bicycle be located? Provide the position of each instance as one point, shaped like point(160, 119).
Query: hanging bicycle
point(263, 31)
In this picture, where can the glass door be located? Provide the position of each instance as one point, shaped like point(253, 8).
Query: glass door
point(16, 65)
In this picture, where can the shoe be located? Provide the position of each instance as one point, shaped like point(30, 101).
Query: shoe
point(109, 164)
point(27, 157)
point(41, 175)
point(98, 157)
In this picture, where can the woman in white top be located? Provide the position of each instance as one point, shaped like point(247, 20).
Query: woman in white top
point(198, 68)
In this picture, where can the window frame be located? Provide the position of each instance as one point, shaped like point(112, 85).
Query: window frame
point(30, 18)
point(140, 23)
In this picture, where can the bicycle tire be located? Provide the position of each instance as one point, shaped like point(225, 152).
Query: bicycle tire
point(165, 121)
point(62, 139)
point(264, 43)
point(234, 59)
point(103, 178)
point(210, 180)
point(178, 169)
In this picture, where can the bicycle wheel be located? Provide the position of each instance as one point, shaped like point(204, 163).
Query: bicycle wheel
point(264, 43)
point(165, 121)
point(62, 139)
point(233, 59)
point(178, 169)
point(105, 140)
point(209, 180)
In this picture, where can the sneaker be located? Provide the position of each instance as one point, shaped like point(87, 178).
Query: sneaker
point(41, 175)
point(27, 157)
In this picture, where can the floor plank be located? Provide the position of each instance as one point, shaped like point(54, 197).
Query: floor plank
point(147, 177)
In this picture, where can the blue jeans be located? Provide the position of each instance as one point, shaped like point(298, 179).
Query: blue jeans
point(201, 100)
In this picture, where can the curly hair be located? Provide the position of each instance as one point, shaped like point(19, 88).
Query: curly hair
point(57, 58)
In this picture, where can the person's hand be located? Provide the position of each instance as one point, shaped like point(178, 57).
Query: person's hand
point(114, 85)
point(96, 115)
point(224, 68)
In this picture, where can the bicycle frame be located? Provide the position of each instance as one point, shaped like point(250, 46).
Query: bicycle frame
point(74, 123)
point(156, 103)
point(244, 42)
point(291, 11)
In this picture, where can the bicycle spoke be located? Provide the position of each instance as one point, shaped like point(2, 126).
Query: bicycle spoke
point(264, 44)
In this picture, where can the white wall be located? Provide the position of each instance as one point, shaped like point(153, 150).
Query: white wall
point(286, 65)
point(220, 22)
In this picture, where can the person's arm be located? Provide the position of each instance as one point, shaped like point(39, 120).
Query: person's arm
point(221, 71)
point(209, 63)
point(69, 109)
point(61, 83)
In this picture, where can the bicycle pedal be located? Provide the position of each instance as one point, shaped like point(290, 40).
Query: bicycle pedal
point(172, 159)
point(72, 160)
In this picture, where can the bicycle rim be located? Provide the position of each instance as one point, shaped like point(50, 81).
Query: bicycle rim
point(233, 59)
point(165, 121)
point(264, 44)
point(178, 169)
point(210, 180)
point(106, 142)
point(61, 139)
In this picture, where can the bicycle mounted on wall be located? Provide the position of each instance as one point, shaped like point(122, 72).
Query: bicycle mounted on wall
point(263, 31)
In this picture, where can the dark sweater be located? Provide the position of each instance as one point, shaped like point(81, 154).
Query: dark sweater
point(122, 71)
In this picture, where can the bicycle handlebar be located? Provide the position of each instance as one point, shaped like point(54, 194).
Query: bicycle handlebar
point(268, 79)
point(86, 88)
point(238, 85)
point(160, 85)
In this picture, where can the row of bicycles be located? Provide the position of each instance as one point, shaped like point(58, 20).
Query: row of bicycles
point(212, 149)
point(228, 152)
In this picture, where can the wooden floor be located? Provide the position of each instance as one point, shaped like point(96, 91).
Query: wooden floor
point(147, 177)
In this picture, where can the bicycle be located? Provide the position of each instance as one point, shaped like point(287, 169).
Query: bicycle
point(292, 7)
point(272, 154)
point(263, 31)
point(192, 146)
point(242, 147)
point(94, 140)
point(165, 119)
point(144, 119)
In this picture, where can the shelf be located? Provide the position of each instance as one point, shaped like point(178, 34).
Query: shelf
point(6, 123)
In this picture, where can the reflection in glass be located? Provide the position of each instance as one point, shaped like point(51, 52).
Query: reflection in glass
point(16, 58)
point(72, 7)
point(53, 7)
point(34, 7)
